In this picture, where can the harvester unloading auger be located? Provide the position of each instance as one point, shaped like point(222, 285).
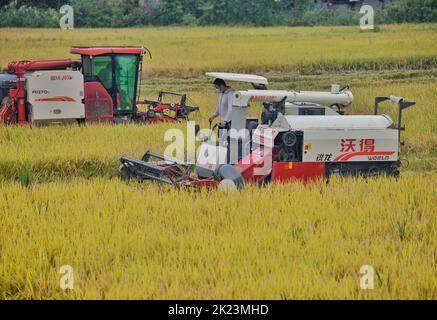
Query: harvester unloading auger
point(302, 136)
point(103, 87)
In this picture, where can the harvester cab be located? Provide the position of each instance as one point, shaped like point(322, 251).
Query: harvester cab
point(112, 78)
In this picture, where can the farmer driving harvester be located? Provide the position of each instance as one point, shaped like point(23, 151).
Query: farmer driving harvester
point(224, 106)
point(224, 111)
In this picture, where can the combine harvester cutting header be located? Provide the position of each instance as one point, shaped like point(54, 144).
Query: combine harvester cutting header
point(102, 87)
point(302, 136)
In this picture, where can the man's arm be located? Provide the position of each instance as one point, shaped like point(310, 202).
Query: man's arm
point(228, 116)
point(216, 113)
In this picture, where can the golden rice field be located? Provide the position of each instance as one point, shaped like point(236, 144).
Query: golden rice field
point(130, 241)
point(183, 52)
point(279, 242)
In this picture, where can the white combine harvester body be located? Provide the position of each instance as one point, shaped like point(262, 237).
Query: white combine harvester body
point(337, 138)
point(314, 124)
point(301, 137)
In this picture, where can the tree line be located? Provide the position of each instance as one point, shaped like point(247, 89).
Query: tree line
point(136, 13)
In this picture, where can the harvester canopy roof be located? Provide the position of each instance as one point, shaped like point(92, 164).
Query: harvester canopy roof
point(97, 51)
point(250, 78)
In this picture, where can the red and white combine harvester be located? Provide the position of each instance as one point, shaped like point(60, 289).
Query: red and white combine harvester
point(103, 86)
point(302, 136)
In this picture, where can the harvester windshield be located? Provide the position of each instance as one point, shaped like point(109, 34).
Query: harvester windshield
point(126, 80)
point(102, 67)
point(117, 69)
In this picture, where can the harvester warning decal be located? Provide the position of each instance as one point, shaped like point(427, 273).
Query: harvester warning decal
point(358, 148)
point(56, 99)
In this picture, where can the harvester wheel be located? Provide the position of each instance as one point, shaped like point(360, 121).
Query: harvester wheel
point(396, 173)
point(373, 172)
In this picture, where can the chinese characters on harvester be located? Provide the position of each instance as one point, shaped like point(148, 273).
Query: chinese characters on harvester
point(351, 145)
point(347, 146)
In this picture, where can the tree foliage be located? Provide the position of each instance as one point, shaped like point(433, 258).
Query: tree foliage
point(132, 13)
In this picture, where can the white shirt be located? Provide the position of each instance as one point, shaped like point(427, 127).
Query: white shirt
point(224, 107)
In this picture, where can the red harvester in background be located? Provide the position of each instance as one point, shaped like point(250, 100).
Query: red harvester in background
point(103, 87)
